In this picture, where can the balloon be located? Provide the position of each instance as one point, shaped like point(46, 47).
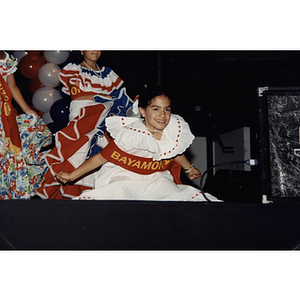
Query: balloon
point(59, 112)
point(30, 64)
point(47, 118)
point(34, 52)
point(34, 85)
point(44, 97)
point(19, 54)
point(56, 57)
point(48, 75)
point(54, 127)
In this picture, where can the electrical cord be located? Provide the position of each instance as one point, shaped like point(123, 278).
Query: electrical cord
point(251, 162)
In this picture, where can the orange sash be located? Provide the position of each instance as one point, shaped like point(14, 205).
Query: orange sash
point(8, 118)
point(76, 92)
point(138, 164)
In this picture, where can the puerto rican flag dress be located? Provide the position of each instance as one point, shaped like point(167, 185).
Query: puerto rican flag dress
point(84, 136)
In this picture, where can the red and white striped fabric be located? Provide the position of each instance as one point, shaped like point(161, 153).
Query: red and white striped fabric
point(72, 144)
point(84, 136)
point(77, 80)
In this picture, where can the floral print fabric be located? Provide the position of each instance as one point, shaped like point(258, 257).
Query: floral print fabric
point(21, 175)
point(8, 66)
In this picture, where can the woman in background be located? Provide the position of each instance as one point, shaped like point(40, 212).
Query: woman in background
point(96, 94)
point(22, 166)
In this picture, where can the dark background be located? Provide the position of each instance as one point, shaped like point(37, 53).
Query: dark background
point(221, 83)
point(211, 88)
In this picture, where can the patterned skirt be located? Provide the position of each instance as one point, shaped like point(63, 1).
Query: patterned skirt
point(23, 174)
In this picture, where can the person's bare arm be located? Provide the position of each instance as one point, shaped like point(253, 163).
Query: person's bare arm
point(17, 95)
point(192, 172)
point(92, 163)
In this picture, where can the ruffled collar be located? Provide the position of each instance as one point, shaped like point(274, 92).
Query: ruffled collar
point(104, 81)
point(132, 132)
point(85, 69)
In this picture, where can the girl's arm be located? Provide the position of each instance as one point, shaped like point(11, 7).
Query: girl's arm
point(191, 171)
point(92, 163)
point(16, 93)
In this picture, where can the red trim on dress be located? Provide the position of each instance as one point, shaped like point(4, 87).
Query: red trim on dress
point(72, 137)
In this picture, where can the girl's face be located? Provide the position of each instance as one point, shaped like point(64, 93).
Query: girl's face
point(92, 55)
point(157, 115)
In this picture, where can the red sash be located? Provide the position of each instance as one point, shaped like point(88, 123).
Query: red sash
point(138, 164)
point(8, 117)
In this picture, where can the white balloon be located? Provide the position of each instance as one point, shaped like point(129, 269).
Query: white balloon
point(56, 57)
point(19, 54)
point(48, 75)
point(47, 118)
point(44, 97)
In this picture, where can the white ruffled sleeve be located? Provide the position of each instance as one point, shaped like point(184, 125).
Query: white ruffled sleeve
point(104, 81)
point(8, 65)
point(178, 138)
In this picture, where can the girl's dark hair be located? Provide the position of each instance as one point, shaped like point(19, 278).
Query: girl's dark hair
point(77, 57)
point(148, 92)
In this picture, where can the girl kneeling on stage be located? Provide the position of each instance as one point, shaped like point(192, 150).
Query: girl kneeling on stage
point(144, 158)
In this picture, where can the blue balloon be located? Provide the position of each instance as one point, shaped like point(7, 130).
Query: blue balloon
point(54, 127)
point(59, 112)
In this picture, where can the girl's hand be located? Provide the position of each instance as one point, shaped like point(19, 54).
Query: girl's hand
point(194, 173)
point(31, 112)
point(63, 177)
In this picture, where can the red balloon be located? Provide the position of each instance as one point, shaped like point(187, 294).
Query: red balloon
point(34, 85)
point(34, 52)
point(30, 64)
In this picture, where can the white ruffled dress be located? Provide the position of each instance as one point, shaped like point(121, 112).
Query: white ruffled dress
point(130, 135)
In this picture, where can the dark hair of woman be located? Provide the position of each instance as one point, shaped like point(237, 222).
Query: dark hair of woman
point(76, 56)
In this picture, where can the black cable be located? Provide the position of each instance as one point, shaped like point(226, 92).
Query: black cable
point(214, 166)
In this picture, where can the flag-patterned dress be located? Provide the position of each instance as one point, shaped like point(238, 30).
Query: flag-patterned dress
point(84, 136)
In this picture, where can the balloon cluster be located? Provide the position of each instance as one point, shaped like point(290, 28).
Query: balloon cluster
point(42, 68)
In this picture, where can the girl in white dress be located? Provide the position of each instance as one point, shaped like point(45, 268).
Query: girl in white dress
point(141, 161)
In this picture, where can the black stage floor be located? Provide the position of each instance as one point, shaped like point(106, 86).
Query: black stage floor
point(140, 225)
